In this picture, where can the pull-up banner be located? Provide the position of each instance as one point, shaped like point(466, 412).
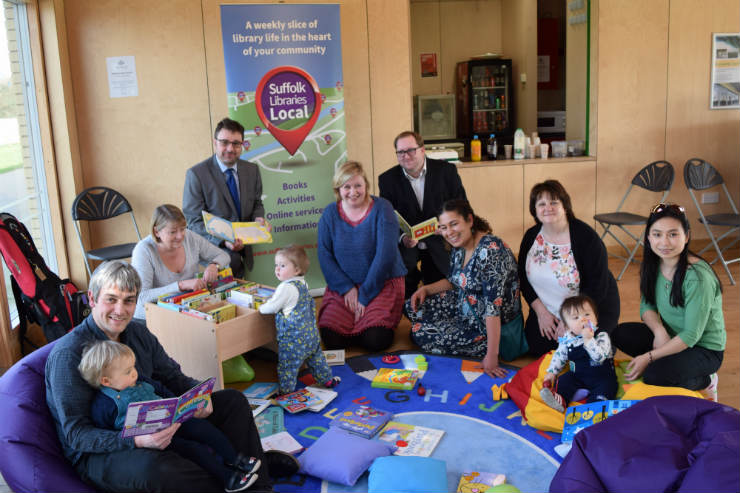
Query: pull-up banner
point(284, 84)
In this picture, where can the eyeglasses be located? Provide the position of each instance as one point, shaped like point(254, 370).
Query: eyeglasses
point(232, 143)
point(407, 152)
point(675, 208)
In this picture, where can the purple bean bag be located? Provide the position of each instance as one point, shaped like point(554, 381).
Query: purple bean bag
point(30, 453)
point(665, 443)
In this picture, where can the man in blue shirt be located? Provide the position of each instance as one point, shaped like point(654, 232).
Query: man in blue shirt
point(102, 457)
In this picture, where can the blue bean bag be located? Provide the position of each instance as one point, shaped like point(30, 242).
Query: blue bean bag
point(31, 456)
point(665, 443)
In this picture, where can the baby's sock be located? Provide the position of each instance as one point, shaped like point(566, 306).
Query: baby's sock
point(552, 399)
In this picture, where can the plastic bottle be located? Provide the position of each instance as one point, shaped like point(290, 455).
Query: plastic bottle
point(475, 148)
point(519, 144)
point(492, 148)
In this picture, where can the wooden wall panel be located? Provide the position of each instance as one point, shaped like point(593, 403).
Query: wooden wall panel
point(633, 46)
point(426, 36)
point(389, 35)
point(140, 146)
point(693, 130)
point(519, 28)
point(495, 193)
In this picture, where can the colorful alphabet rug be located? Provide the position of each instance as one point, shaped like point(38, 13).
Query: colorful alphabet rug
point(480, 434)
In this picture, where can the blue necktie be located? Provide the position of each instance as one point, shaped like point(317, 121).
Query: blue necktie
point(231, 183)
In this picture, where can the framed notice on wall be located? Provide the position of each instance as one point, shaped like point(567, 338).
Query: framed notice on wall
point(428, 64)
point(725, 87)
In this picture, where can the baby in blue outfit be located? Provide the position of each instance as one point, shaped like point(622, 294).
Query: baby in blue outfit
point(295, 320)
point(109, 366)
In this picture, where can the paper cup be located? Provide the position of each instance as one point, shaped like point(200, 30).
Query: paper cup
point(531, 151)
point(544, 149)
point(507, 151)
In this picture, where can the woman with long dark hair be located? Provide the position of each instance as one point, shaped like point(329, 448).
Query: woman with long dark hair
point(476, 310)
point(681, 340)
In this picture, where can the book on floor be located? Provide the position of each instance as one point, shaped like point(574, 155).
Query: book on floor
point(271, 421)
point(418, 231)
point(248, 232)
point(585, 415)
point(394, 378)
point(479, 481)
point(259, 405)
point(143, 418)
point(325, 395)
point(297, 401)
point(334, 357)
point(283, 441)
point(361, 420)
point(261, 390)
point(411, 439)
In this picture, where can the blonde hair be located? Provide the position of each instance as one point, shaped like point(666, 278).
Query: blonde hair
point(297, 256)
point(166, 214)
point(98, 357)
point(346, 172)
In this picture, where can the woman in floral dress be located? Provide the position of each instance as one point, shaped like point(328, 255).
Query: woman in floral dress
point(463, 314)
point(561, 257)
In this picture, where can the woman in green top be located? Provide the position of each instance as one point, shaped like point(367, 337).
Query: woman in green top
point(682, 338)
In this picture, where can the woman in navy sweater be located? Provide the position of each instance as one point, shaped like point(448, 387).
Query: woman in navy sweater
point(358, 254)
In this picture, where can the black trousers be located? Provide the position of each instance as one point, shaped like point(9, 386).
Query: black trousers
point(236, 262)
point(689, 369)
point(204, 444)
point(538, 345)
point(165, 470)
point(428, 274)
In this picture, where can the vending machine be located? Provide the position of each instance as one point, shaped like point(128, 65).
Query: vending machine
point(485, 102)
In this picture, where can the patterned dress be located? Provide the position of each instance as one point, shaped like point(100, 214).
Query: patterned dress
point(453, 322)
point(298, 341)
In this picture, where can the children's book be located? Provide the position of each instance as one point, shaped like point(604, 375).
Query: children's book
point(361, 420)
point(479, 481)
point(411, 439)
point(261, 390)
point(283, 441)
point(418, 231)
point(334, 357)
point(259, 405)
point(325, 395)
point(300, 400)
point(393, 378)
point(585, 415)
point(143, 418)
point(249, 233)
point(271, 421)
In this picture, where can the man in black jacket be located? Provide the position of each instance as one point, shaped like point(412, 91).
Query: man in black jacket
point(417, 188)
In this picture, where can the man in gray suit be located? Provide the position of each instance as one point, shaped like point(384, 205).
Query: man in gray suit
point(225, 186)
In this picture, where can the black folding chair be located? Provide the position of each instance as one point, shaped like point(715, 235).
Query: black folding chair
point(700, 175)
point(655, 177)
point(97, 204)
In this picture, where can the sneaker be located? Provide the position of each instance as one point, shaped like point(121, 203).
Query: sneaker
point(332, 382)
point(711, 391)
point(247, 465)
point(240, 482)
point(553, 399)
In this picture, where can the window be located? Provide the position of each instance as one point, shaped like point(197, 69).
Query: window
point(22, 179)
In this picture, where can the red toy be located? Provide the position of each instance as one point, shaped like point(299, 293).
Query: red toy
point(390, 359)
point(421, 390)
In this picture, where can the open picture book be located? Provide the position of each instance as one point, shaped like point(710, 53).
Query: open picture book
point(418, 231)
point(143, 418)
point(249, 233)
